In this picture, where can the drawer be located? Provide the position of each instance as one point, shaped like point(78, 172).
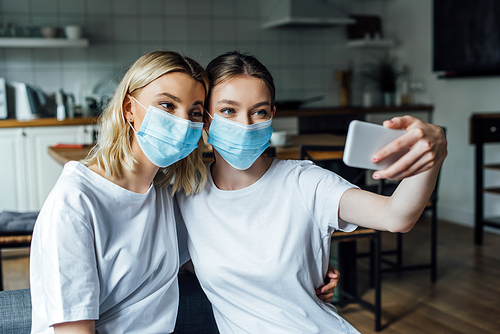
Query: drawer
point(485, 128)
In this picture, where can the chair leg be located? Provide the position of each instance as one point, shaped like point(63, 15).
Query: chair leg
point(378, 283)
point(399, 254)
point(434, 236)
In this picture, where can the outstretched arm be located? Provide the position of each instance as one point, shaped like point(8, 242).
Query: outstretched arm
point(419, 168)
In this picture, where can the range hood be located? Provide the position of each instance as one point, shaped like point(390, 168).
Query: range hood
point(300, 13)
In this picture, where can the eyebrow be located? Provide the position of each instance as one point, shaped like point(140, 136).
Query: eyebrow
point(234, 103)
point(231, 102)
point(173, 97)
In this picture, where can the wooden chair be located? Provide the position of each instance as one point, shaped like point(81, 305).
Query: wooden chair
point(15, 231)
point(397, 264)
point(330, 157)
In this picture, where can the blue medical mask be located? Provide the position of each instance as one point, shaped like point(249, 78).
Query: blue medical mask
point(165, 138)
point(239, 144)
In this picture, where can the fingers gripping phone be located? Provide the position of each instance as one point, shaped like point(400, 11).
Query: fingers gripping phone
point(364, 140)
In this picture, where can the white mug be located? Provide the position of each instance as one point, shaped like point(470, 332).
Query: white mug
point(279, 138)
point(73, 32)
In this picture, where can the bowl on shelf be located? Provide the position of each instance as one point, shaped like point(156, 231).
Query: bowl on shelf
point(49, 32)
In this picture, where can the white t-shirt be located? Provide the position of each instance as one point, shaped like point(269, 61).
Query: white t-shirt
point(102, 252)
point(260, 252)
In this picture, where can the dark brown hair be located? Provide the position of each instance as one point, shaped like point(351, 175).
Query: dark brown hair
point(234, 63)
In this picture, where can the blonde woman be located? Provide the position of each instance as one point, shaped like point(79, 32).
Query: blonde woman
point(104, 256)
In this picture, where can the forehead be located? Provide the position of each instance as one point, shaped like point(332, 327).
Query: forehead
point(243, 87)
point(176, 83)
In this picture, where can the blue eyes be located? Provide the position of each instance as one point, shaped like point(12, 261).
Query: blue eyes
point(230, 111)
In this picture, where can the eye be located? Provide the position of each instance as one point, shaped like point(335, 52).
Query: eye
point(196, 115)
point(261, 113)
point(228, 111)
point(168, 105)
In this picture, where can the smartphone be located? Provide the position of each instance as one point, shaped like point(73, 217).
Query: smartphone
point(364, 140)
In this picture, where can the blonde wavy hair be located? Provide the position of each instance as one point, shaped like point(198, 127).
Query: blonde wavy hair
point(113, 152)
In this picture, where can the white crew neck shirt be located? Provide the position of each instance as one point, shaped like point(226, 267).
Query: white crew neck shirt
point(101, 252)
point(261, 251)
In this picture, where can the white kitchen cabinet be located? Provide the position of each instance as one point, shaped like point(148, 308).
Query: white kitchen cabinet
point(13, 181)
point(29, 173)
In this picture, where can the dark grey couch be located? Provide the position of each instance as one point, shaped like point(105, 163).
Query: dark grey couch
point(195, 311)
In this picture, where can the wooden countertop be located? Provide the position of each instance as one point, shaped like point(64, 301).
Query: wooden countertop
point(14, 123)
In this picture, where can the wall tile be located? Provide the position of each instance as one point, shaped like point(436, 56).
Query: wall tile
point(223, 8)
point(75, 58)
point(101, 56)
point(271, 54)
point(224, 30)
point(72, 7)
point(99, 7)
point(151, 7)
point(100, 29)
point(19, 59)
point(44, 6)
point(126, 55)
point(151, 29)
point(126, 29)
point(181, 47)
point(15, 6)
point(16, 19)
point(48, 79)
point(129, 7)
point(198, 7)
point(293, 54)
point(19, 75)
point(201, 52)
point(175, 8)
point(199, 29)
point(246, 8)
point(247, 29)
point(176, 29)
point(47, 58)
point(45, 20)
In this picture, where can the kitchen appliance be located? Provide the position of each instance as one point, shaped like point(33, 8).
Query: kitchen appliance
point(31, 102)
point(300, 13)
point(7, 100)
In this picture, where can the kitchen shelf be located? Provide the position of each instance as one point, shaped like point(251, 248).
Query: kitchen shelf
point(28, 42)
point(492, 190)
point(370, 43)
point(494, 166)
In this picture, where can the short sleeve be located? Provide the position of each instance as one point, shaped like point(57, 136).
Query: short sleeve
point(182, 234)
point(70, 280)
point(321, 192)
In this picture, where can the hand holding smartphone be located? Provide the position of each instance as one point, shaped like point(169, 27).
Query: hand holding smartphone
point(364, 140)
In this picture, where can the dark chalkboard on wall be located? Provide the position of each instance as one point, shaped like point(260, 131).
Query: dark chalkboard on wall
point(466, 38)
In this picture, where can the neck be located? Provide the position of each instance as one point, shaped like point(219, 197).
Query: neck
point(227, 177)
point(138, 180)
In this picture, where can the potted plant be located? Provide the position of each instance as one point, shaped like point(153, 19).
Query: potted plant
point(384, 73)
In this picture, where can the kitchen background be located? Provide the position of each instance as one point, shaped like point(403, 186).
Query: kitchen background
point(303, 61)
